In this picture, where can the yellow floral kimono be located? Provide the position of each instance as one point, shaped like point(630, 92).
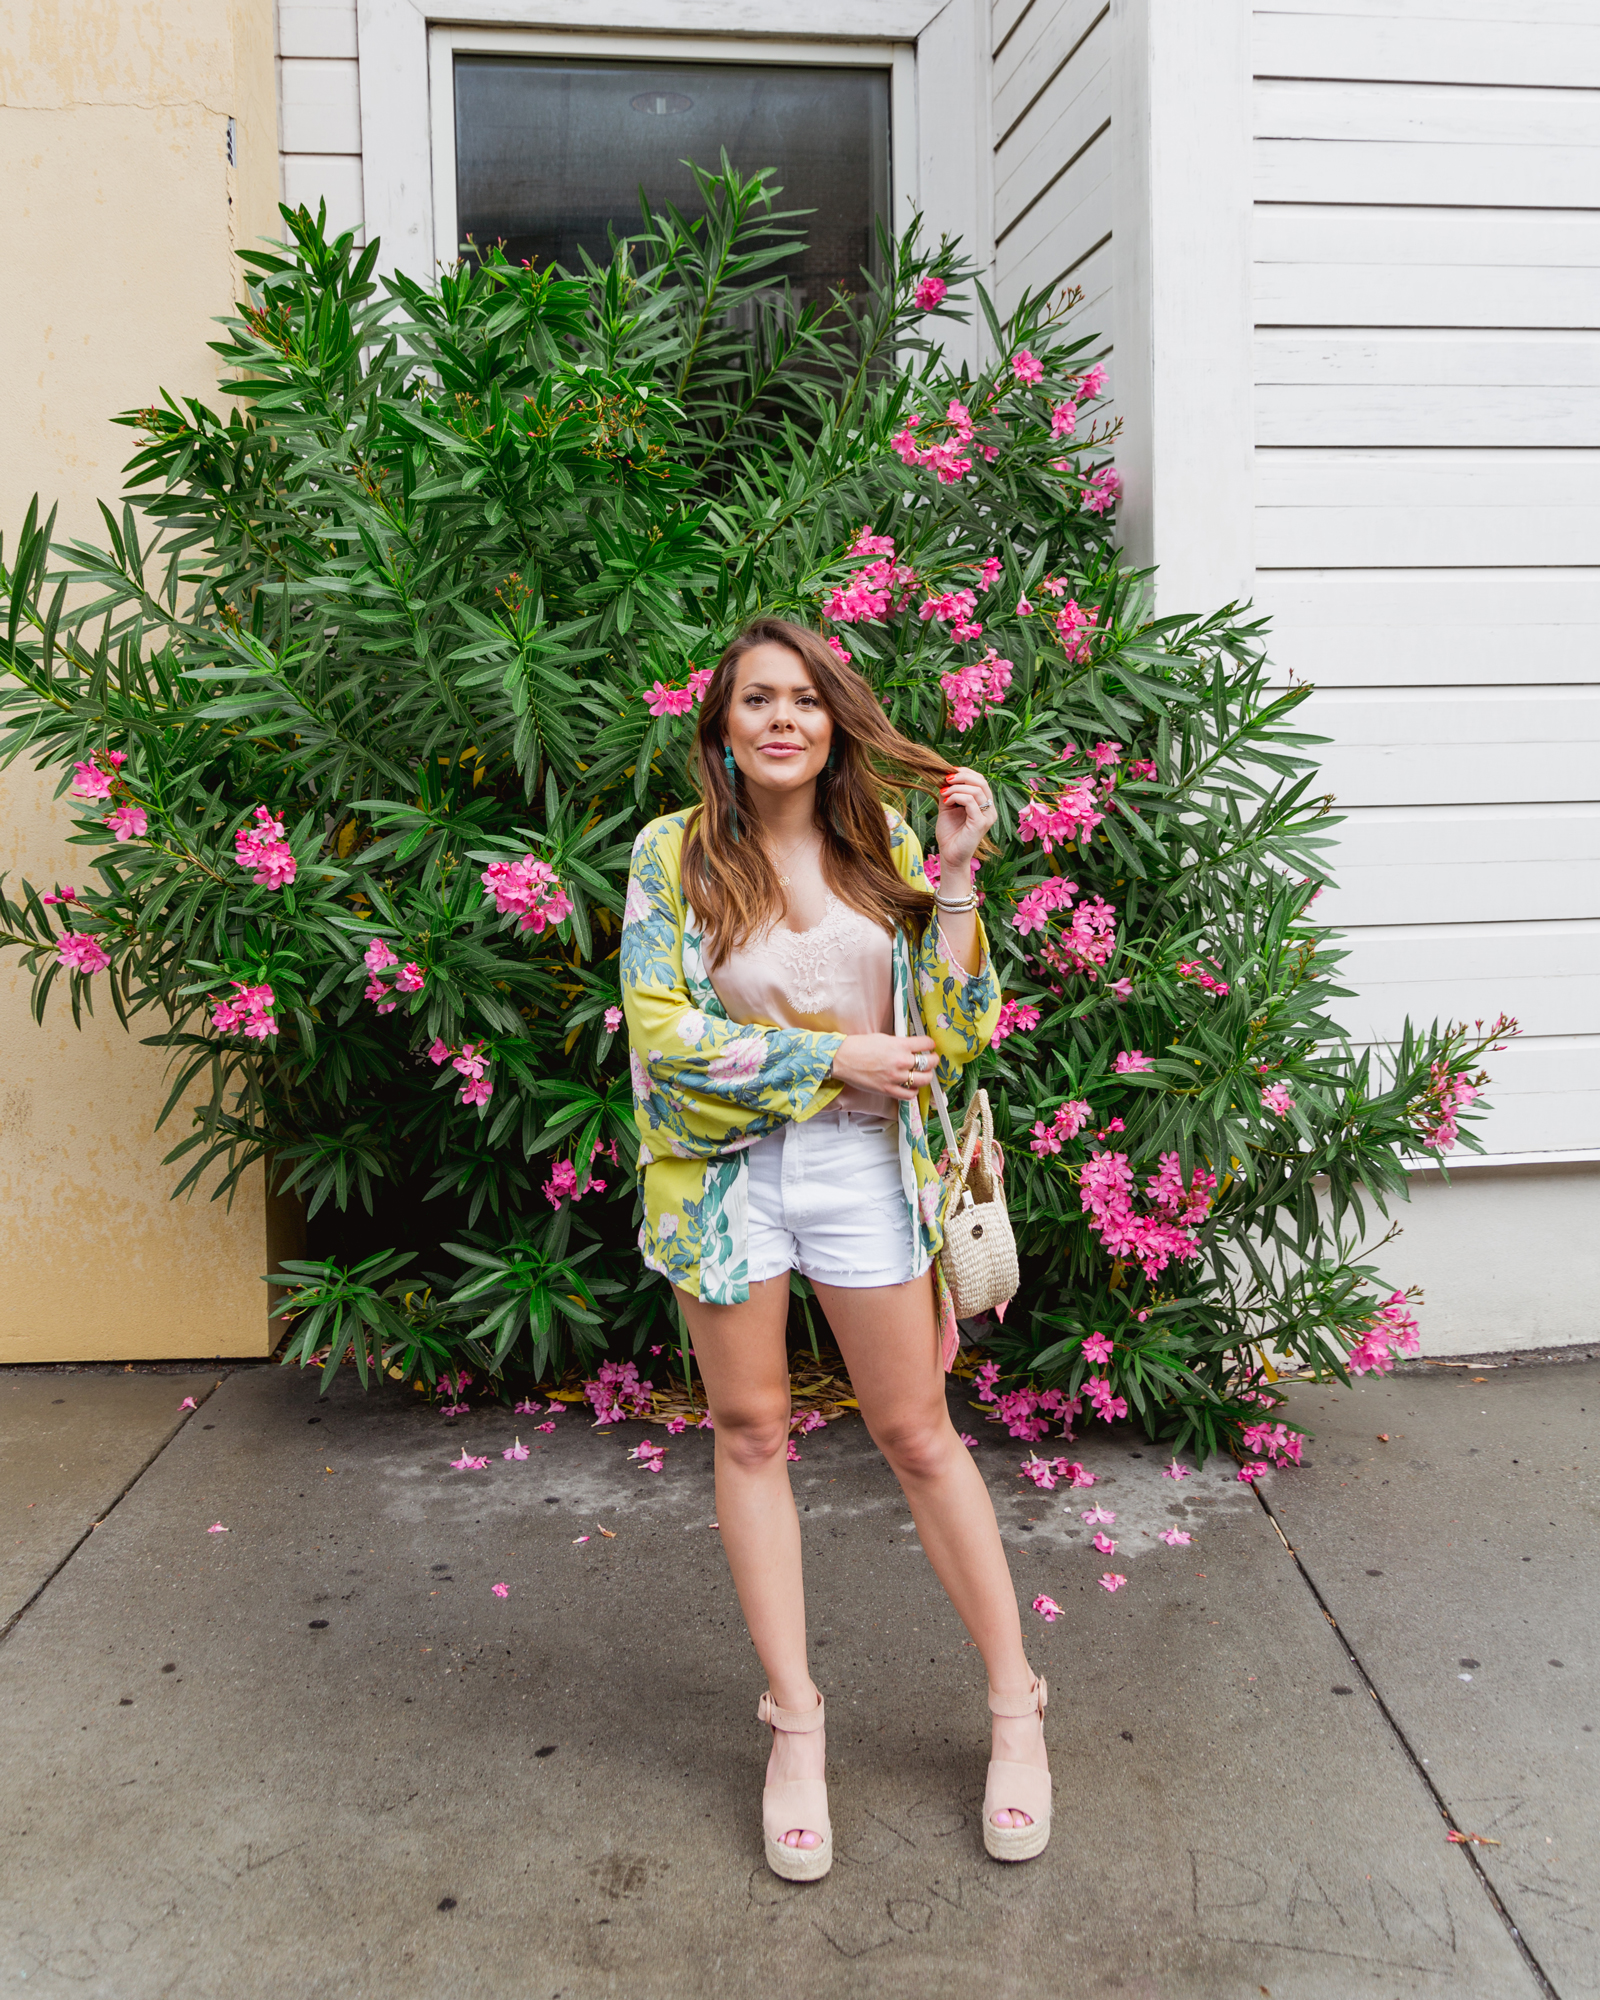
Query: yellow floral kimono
point(706, 1088)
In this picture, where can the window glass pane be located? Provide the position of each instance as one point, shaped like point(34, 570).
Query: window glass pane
point(549, 153)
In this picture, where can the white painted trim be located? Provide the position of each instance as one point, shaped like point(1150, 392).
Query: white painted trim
point(1182, 324)
point(446, 42)
point(1581, 1156)
point(403, 163)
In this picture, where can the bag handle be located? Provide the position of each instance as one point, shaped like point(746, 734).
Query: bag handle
point(952, 1145)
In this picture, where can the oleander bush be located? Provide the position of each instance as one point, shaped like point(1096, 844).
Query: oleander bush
point(379, 668)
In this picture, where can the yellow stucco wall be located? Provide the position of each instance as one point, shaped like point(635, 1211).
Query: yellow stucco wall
point(117, 227)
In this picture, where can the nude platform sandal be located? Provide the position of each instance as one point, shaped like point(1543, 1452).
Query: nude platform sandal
point(800, 1802)
point(1017, 1788)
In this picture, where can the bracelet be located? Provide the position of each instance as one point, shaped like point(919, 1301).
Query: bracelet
point(970, 904)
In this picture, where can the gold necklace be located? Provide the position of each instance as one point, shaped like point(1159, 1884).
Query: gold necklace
point(784, 881)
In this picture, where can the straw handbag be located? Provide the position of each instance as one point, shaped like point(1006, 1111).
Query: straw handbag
point(979, 1258)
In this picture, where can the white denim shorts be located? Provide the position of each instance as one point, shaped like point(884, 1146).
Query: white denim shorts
point(826, 1200)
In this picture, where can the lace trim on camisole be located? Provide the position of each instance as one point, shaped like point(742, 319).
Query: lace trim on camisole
point(810, 962)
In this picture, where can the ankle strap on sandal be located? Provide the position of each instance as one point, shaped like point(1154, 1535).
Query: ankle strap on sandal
point(792, 1721)
point(1029, 1704)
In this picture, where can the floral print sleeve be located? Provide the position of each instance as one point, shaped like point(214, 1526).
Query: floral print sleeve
point(959, 1009)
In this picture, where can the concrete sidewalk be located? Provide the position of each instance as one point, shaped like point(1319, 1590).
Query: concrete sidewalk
point(214, 1786)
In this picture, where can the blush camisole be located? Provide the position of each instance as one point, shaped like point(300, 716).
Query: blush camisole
point(835, 978)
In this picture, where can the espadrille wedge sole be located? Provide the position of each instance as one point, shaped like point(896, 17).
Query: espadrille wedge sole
point(1017, 1788)
point(800, 1802)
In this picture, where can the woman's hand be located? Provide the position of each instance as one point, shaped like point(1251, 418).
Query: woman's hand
point(966, 813)
point(886, 1063)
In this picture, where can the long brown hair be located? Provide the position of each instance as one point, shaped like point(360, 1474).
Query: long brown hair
point(732, 882)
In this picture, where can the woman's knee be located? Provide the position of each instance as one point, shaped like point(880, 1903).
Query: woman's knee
point(917, 1444)
point(752, 1438)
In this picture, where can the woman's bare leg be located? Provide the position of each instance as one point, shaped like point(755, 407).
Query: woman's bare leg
point(744, 1363)
point(889, 1340)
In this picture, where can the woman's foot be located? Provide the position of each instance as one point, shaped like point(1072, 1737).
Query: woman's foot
point(1017, 1796)
point(1017, 1739)
point(795, 1756)
point(794, 1805)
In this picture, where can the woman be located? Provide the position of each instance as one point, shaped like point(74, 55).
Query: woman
point(791, 985)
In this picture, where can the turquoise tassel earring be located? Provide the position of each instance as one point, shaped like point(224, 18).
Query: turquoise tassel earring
point(733, 790)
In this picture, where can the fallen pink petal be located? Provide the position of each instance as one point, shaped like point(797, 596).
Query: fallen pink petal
point(1104, 1543)
point(501, 1589)
point(544, 1427)
point(1111, 1581)
point(1176, 1538)
point(188, 1403)
point(216, 1528)
point(1047, 1608)
point(1096, 1514)
point(528, 1408)
point(579, 1538)
point(517, 1450)
point(467, 1463)
point(968, 1440)
point(794, 1454)
point(676, 1426)
point(1174, 1471)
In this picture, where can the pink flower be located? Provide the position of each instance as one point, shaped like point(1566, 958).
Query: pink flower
point(812, 1420)
point(1105, 1544)
point(1393, 1330)
point(1041, 1472)
point(617, 1393)
point(838, 646)
point(1074, 626)
point(82, 953)
point(562, 1184)
point(1275, 1098)
point(91, 782)
point(1250, 1473)
point(1063, 420)
point(676, 1426)
point(988, 572)
point(613, 1019)
point(478, 1091)
point(264, 851)
point(663, 700)
point(1105, 1188)
point(67, 895)
point(128, 822)
point(1074, 815)
point(977, 688)
point(1143, 767)
point(1016, 1017)
point(929, 293)
point(544, 1427)
point(1107, 1406)
point(968, 1440)
point(793, 1453)
point(1097, 1349)
point(529, 1407)
point(1026, 368)
point(1174, 1471)
point(439, 1054)
point(1107, 753)
point(517, 1450)
point(652, 1457)
point(528, 888)
point(188, 1403)
point(1273, 1441)
point(1047, 1608)
point(1092, 384)
point(1103, 490)
point(1175, 1538)
point(699, 681)
point(1111, 1581)
point(409, 979)
point(1098, 1516)
point(454, 1409)
point(501, 1589)
point(1130, 1061)
point(1073, 1473)
point(467, 1463)
point(378, 957)
point(216, 1528)
point(1121, 989)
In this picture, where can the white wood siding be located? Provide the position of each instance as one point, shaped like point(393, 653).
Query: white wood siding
point(1427, 505)
point(319, 108)
point(1053, 155)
